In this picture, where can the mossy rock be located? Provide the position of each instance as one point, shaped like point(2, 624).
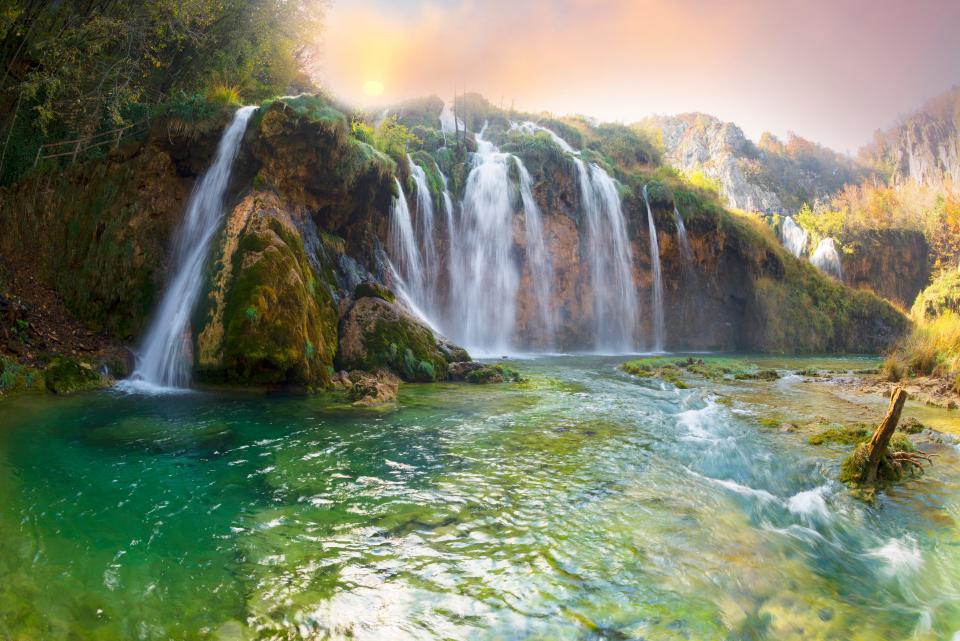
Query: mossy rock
point(376, 333)
point(16, 377)
point(65, 376)
point(492, 374)
point(269, 318)
point(370, 289)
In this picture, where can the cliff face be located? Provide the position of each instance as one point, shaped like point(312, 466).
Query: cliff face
point(925, 147)
point(770, 176)
point(894, 263)
point(308, 218)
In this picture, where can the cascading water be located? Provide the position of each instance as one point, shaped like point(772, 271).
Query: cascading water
point(794, 236)
point(485, 292)
point(615, 308)
point(658, 323)
point(164, 358)
point(685, 252)
point(538, 259)
point(449, 123)
point(425, 236)
point(403, 247)
point(826, 259)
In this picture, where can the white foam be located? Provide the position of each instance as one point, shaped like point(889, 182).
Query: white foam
point(144, 388)
point(900, 555)
point(810, 502)
point(744, 490)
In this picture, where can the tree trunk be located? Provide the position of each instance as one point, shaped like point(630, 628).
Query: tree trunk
point(877, 446)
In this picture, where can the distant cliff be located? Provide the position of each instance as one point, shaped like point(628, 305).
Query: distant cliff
point(770, 176)
point(924, 148)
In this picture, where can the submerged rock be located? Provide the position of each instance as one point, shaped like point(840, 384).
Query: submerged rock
point(479, 373)
point(375, 334)
point(367, 389)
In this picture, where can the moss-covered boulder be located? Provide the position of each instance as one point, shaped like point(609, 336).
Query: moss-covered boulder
point(375, 333)
point(269, 319)
point(65, 376)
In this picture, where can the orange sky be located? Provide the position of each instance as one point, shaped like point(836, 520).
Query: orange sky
point(833, 71)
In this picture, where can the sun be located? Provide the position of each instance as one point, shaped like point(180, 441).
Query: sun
point(373, 87)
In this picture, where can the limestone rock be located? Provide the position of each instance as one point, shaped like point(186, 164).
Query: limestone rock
point(269, 318)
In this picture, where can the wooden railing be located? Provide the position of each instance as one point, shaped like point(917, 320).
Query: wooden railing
point(73, 148)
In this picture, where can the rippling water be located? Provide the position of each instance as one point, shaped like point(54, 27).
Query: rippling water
point(582, 504)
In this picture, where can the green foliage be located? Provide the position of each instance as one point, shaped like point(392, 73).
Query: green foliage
point(80, 68)
point(825, 224)
point(391, 137)
point(699, 180)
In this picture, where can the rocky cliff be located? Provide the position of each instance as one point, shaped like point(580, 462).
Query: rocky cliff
point(924, 148)
point(770, 176)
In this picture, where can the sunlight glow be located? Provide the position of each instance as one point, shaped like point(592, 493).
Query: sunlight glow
point(373, 88)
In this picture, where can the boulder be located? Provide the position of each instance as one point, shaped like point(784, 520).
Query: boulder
point(269, 319)
point(378, 334)
point(367, 389)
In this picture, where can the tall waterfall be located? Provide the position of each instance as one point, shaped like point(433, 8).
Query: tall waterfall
point(164, 359)
point(658, 323)
point(794, 236)
point(425, 235)
point(685, 252)
point(404, 249)
point(615, 308)
point(538, 259)
point(826, 258)
point(485, 296)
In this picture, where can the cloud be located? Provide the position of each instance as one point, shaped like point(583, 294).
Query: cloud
point(832, 71)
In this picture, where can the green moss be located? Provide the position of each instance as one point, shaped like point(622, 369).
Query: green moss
point(846, 435)
point(65, 375)
point(493, 374)
point(15, 377)
point(853, 468)
point(373, 290)
point(406, 348)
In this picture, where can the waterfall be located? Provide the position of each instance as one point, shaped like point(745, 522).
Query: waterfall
point(404, 249)
point(485, 291)
point(611, 277)
point(794, 236)
point(448, 122)
point(425, 237)
point(658, 324)
point(538, 259)
point(453, 244)
point(826, 258)
point(164, 359)
point(685, 252)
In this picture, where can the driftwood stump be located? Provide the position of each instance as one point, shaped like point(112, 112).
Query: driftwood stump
point(877, 446)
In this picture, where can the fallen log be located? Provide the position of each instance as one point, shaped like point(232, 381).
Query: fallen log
point(877, 447)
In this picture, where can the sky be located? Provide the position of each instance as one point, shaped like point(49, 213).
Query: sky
point(833, 71)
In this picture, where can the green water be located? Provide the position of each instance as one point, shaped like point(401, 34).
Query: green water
point(582, 504)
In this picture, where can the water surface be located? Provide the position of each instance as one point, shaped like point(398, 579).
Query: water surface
point(583, 504)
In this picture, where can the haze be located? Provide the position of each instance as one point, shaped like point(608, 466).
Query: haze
point(833, 72)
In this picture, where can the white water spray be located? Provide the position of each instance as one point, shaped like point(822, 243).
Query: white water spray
point(685, 252)
point(425, 236)
point(164, 360)
point(403, 247)
point(658, 322)
point(826, 259)
point(794, 236)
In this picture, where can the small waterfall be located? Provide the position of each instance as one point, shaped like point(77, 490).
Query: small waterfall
point(685, 252)
point(794, 236)
point(448, 122)
point(404, 249)
point(485, 289)
point(425, 237)
point(541, 270)
point(658, 323)
point(164, 359)
point(826, 259)
point(615, 308)
point(453, 244)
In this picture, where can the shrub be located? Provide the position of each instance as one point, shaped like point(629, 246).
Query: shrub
point(224, 95)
